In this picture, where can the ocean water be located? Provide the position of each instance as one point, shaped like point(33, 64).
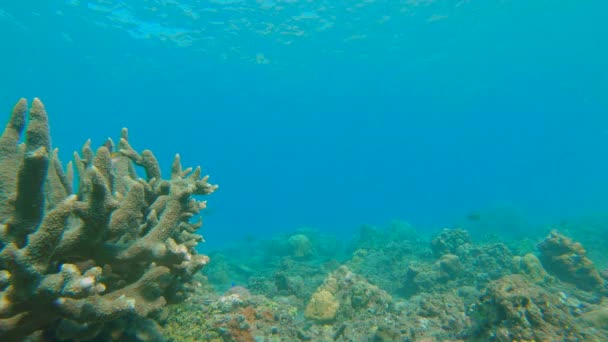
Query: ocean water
point(333, 114)
point(345, 136)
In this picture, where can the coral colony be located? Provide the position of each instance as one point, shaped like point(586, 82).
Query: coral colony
point(96, 254)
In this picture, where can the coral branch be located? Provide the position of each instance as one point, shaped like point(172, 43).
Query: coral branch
point(74, 264)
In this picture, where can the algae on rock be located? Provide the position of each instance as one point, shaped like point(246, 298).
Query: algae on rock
point(568, 260)
point(79, 262)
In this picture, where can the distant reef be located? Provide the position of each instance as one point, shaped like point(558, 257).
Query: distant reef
point(396, 284)
point(96, 253)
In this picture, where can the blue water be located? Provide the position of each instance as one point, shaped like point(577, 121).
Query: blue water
point(331, 114)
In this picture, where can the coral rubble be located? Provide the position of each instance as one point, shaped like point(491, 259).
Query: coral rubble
point(79, 262)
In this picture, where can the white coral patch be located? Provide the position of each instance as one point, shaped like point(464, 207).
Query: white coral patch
point(159, 250)
point(4, 303)
point(70, 269)
point(100, 288)
point(87, 282)
point(5, 276)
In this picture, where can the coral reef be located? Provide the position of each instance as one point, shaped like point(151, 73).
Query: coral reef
point(100, 259)
point(568, 261)
point(322, 307)
point(450, 241)
point(235, 315)
point(459, 263)
point(391, 250)
point(396, 285)
point(530, 266)
point(344, 295)
point(514, 309)
point(300, 245)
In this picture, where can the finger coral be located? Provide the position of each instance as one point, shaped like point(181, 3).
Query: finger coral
point(81, 255)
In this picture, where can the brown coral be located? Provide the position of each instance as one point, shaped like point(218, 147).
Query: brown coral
point(344, 295)
point(322, 307)
point(515, 309)
point(568, 261)
point(73, 263)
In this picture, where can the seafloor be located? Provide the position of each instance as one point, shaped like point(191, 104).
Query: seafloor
point(395, 284)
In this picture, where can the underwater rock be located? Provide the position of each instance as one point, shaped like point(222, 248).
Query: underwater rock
point(487, 262)
point(432, 316)
point(345, 295)
point(456, 297)
point(371, 237)
point(385, 262)
point(305, 243)
point(514, 309)
point(289, 285)
point(472, 265)
point(450, 265)
point(241, 291)
point(596, 318)
point(358, 309)
point(229, 302)
point(77, 264)
point(567, 260)
point(530, 266)
point(234, 316)
point(322, 307)
point(450, 241)
point(421, 277)
point(301, 246)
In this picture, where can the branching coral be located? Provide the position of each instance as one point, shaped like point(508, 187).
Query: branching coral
point(75, 262)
